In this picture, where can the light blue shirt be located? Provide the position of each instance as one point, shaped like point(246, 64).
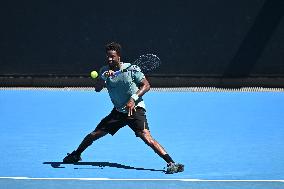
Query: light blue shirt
point(122, 86)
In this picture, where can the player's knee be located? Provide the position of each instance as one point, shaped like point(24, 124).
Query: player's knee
point(88, 140)
point(97, 134)
point(147, 139)
point(151, 141)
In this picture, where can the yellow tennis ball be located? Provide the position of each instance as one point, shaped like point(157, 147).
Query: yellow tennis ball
point(94, 74)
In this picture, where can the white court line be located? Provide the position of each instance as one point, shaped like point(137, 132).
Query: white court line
point(109, 179)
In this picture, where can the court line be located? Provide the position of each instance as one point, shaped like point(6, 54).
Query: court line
point(110, 179)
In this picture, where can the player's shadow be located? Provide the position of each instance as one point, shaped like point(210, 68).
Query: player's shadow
point(100, 165)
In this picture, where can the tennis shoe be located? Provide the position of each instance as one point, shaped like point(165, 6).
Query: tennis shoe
point(72, 158)
point(174, 168)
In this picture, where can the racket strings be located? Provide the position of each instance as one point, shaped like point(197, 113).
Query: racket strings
point(147, 62)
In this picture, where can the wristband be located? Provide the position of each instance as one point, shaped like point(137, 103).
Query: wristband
point(135, 97)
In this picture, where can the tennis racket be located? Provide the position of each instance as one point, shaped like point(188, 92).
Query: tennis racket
point(145, 63)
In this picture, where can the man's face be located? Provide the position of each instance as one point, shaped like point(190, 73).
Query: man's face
point(113, 59)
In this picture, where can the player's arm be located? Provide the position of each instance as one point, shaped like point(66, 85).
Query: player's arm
point(101, 80)
point(99, 84)
point(143, 88)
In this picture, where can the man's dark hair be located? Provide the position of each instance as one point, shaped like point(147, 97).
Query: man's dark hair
point(113, 46)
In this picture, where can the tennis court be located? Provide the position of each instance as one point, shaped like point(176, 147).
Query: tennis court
point(216, 102)
point(225, 140)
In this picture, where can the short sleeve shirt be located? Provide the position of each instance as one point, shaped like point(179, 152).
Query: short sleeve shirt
point(122, 86)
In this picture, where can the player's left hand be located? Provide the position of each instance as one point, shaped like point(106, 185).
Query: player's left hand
point(99, 85)
point(130, 106)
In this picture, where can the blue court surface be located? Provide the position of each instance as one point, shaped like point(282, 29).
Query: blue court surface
point(225, 140)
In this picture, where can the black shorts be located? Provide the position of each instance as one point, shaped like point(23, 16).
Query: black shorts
point(116, 120)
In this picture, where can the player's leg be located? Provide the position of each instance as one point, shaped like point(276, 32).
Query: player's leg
point(150, 141)
point(172, 167)
point(138, 123)
point(110, 124)
point(75, 156)
point(89, 139)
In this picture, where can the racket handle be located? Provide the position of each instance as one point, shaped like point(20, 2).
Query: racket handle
point(117, 73)
point(104, 77)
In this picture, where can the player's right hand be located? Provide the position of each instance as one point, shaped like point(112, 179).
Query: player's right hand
point(109, 73)
point(130, 106)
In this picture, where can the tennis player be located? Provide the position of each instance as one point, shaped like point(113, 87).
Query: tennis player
point(125, 91)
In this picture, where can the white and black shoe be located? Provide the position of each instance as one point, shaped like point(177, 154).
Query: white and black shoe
point(174, 168)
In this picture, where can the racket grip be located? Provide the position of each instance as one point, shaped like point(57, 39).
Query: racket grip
point(117, 73)
point(114, 74)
